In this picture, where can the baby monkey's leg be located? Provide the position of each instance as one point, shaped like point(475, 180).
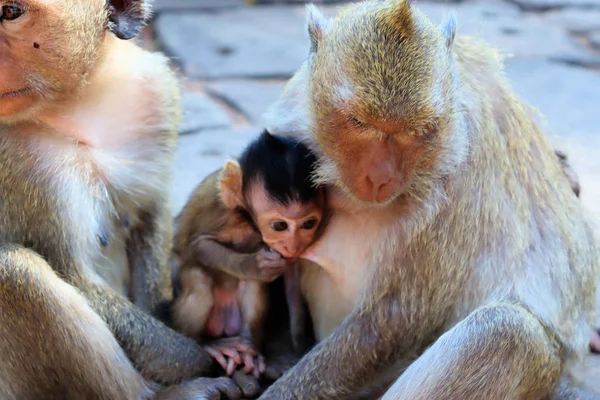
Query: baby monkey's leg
point(192, 307)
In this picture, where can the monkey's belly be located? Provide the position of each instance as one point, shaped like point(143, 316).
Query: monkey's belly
point(225, 318)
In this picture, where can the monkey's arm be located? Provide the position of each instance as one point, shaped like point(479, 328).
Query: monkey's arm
point(159, 353)
point(350, 358)
point(148, 252)
point(208, 252)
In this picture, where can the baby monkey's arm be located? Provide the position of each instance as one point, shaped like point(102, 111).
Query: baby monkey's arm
point(264, 265)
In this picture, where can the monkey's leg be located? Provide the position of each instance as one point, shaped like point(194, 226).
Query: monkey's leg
point(52, 344)
point(255, 302)
point(498, 352)
point(148, 251)
point(192, 307)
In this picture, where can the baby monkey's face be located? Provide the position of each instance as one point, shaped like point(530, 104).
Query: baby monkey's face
point(288, 229)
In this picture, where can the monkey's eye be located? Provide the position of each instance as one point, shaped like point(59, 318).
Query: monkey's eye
point(357, 122)
point(310, 223)
point(279, 226)
point(10, 13)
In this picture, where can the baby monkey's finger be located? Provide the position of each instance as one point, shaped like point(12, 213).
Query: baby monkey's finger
point(233, 354)
point(218, 356)
point(262, 366)
point(249, 363)
point(230, 367)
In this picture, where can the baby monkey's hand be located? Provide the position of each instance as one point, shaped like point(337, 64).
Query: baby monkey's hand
point(235, 351)
point(271, 264)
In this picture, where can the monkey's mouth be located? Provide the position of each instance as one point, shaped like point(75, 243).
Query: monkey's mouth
point(15, 93)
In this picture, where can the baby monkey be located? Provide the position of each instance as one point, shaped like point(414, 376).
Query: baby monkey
point(244, 226)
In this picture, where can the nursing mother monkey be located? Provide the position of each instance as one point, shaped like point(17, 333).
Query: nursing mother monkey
point(88, 123)
point(457, 248)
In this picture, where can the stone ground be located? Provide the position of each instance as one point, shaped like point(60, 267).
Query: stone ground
point(234, 57)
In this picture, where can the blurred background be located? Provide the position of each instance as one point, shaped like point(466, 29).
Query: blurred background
point(234, 57)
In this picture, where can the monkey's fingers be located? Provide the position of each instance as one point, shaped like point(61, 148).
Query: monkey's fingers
point(202, 388)
point(262, 366)
point(249, 386)
point(245, 346)
point(276, 266)
point(230, 367)
point(272, 373)
point(233, 353)
point(248, 363)
point(218, 356)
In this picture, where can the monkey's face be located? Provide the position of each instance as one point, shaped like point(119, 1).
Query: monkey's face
point(288, 229)
point(47, 47)
point(380, 87)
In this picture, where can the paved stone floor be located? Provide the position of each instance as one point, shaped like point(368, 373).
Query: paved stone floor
point(234, 58)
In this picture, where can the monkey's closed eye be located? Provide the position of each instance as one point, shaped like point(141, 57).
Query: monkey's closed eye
point(10, 13)
point(279, 226)
point(357, 122)
point(309, 224)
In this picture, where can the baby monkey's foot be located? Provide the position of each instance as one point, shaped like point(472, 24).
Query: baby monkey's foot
point(235, 351)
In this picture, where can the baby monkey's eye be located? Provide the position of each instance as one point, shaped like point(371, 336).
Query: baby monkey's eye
point(279, 226)
point(310, 223)
point(10, 13)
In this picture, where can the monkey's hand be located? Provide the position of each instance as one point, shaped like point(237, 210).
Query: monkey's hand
point(271, 265)
point(351, 356)
point(235, 351)
point(202, 388)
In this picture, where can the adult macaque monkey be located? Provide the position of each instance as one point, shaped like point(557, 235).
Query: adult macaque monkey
point(88, 123)
point(462, 253)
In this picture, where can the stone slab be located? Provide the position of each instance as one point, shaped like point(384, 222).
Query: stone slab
point(239, 42)
point(573, 19)
point(201, 112)
point(198, 155)
point(185, 5)
point(568, 96)
point(504, 27)
point(595, 39)
point(251, 97)
point(544, 5)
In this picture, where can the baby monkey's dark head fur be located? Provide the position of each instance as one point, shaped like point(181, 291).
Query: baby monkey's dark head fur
point(272, 181)
point(284, 166)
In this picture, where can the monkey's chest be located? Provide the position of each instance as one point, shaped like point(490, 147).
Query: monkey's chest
point(114, 186)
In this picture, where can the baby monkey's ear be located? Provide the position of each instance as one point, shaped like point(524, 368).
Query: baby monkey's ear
point(127, 17)
point(231, 185)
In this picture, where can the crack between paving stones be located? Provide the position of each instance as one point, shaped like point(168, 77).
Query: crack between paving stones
point(229, 103)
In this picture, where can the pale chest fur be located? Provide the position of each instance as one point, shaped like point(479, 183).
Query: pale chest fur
point(334, 286)
point(107, 159)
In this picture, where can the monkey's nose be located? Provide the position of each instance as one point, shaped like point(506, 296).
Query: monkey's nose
point(291, 251)
point(380, 179)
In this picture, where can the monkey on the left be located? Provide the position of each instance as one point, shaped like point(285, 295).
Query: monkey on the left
point(88, 124)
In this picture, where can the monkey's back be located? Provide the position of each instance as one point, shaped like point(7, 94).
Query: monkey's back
point(528, 238)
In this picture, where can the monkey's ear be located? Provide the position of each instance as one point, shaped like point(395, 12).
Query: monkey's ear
point(317, 24)
point(127, 17)
point(403, 16)
point(449, 29)
point(231, 184)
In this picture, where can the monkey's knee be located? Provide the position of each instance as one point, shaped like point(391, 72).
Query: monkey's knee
point(191, 311)
point(53, 344)
point(500, 351)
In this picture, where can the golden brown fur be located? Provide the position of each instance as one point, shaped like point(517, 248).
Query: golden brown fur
point(206, 218)
point(475, 259)
point(88, 124)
